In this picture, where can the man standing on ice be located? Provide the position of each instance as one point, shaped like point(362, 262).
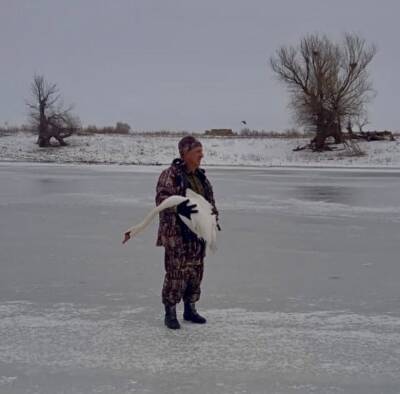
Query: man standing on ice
point(184, 252)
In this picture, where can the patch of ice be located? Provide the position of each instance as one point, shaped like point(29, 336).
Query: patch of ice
point(315, 208)
point(6, 380)
point(334, 343)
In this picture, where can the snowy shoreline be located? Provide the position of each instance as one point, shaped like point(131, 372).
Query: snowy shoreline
point(122, 150)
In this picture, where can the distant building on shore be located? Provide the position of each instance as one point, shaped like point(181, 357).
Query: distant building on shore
point(219, 132)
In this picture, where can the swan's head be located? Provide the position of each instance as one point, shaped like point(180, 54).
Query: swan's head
point(136, 230)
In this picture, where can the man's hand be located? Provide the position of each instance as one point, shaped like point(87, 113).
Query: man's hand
point(186, 210)
point(127, 237)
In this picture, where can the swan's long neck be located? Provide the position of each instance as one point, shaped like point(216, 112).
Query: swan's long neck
point(167, 203)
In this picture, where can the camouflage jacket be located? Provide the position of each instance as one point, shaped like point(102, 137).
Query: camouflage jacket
point(172, 181)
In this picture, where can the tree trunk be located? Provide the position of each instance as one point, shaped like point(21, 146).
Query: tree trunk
point(44, 137)
point(337, 135)
point(318, 143)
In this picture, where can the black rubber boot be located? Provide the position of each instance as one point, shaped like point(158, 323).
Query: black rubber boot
point(170, 317)
point(190, 314)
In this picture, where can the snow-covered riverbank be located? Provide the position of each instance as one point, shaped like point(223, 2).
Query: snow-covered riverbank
point(120, 149)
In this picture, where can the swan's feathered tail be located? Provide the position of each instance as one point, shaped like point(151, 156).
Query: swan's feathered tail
point(203, 223)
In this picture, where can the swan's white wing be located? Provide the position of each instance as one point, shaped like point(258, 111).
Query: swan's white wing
point(198, 224)
point(203, 223)
point(198, 199)
point(191, 223)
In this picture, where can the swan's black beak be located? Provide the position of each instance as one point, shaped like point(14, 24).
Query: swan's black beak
point(127, 236)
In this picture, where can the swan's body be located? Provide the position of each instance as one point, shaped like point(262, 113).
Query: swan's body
point(203, 223)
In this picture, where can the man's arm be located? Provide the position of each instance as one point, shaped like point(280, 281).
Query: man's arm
point(165, 188)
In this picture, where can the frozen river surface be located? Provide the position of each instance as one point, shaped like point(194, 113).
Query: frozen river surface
point(303, 295)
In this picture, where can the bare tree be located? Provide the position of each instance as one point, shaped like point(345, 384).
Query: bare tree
point(327, 82)
point(48, 116)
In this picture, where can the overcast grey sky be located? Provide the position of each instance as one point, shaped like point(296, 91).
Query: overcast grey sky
point(181, 64)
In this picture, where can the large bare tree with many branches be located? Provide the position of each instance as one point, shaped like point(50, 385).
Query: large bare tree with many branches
point(48, 116)
point(328, 82)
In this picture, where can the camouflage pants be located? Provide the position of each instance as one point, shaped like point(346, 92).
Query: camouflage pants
point(184, 269)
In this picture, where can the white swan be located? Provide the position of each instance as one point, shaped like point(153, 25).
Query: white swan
point(203, 223)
